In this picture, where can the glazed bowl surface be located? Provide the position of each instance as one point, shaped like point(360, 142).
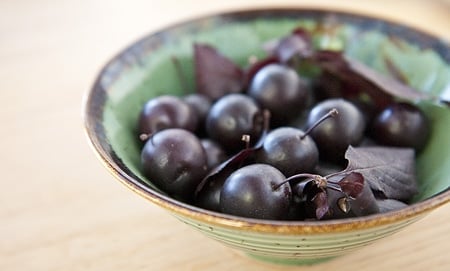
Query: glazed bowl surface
point(146, 69)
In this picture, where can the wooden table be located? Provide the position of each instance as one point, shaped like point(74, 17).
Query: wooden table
point(61, 210)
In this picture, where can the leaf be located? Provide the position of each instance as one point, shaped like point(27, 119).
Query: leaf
point(387, 84)
point(381, 88)
point(394, 71)
point(352, 184)
point(321, 202)
point(351, 84)
point(225, 168)
point(387, 205)
point(215, 74)
point(297, 44)
point(388, 170)
point(208, 197)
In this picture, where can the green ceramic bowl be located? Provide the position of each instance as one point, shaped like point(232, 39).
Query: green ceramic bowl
point(145, 69)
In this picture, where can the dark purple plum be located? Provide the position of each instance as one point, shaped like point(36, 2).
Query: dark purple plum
point(401, 125)
point(280, 90)
point(256, 191)
point(232, 117)
point(334, 135)
point(290, 150)
point(175, 161)
point(165, 112)
point(201, 104)
point(214, 152)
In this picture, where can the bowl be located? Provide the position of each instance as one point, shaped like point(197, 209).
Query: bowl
point(145, 69)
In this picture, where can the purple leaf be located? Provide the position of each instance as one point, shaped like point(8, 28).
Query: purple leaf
point(352, 184)
point(226, 167)
point(387, 205)
point(298, 44)
point(352, 84)
point(342, 206)
point(215, 74)
point(321, 202)
point(387, 84)
point(389, 171)
point(365, 203)
point(363, 79)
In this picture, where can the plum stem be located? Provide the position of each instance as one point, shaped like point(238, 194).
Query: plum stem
point(331, 114)
point(246, 139)
point(144, 137)
point(318, 180)
point(334, 187)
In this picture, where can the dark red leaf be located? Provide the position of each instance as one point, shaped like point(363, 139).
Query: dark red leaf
point(298, 44)
point(358, 77)
point(342, 206)
point(236, 161)
point(304, 34)
point(352, 83)
point(387, 205)
point(387, 84)
point(321, 202)
point(226, 167)
point(215, 74)
point(352, 184)
point(389, 171)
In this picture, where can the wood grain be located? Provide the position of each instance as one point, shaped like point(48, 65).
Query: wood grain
point(61, 210)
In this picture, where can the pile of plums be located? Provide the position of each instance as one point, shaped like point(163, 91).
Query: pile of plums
point(264, 146)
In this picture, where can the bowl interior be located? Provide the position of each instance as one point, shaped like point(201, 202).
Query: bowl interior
point(148, 68)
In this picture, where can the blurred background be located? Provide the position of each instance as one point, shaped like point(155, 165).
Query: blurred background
point(61, 210)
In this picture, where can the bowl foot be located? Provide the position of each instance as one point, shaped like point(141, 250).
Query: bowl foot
point(289, 261)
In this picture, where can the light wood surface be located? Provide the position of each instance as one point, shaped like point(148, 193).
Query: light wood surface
point(61, 210)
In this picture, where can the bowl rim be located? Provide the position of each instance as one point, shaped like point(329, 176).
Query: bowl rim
point(178, 208)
